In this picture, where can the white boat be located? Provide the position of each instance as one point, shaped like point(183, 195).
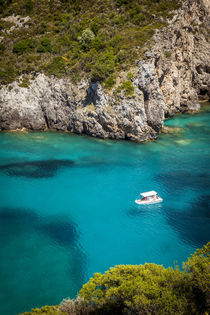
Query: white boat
point(148, 198)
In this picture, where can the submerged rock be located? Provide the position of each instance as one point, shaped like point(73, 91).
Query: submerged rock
point(184, 141)
point(172, 130)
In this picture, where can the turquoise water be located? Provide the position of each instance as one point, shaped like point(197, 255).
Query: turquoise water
point(67, 207)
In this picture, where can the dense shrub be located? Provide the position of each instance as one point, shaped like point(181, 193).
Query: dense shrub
point(110, 82)
point(148, 289)
point(24, 45)
point(45, 45)
point(86, 38)
point(7, 74)
point(4, 4)
point(152, 289)
point(198, 268)
point(56, 67)
point(73, 28)
point(127, 87)
point(104, 66)
point(2, 48)
point(47, 310)
point(20, 47)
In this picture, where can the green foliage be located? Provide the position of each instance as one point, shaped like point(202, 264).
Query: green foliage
point(48, 310)
point(20, 47)
point(94, 26)
point(86, 38)
point(127, 87)
point(130, 75)
point(24, 83)
point(148, 289)
point(198, 267)
point(7, 74)
point(97, 43)
point(45, 45)
point(24, 45)
point(29, 6)
point(104, 66)
point(90, 107)
point(2, 48)
point(57, 66)
point(84, 31)
point(152, 289)
point(110, 82)
point(143, 289)
point(4, 4)
point(168, 54)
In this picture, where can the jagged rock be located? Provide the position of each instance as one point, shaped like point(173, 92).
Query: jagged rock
point(171, 79)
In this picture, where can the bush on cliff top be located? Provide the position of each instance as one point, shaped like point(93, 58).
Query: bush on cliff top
point(76, 29)
point(148, 289)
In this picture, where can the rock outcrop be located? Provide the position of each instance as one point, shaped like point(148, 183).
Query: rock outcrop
point(174, 74)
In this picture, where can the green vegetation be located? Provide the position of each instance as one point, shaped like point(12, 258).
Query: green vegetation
point(88, 38)
point(45, 45)
point(90, 107)
point(168, 54)
point(48, 310)
point(24, 45)
point(137, 290)
point(127, 87)
point(144, 289)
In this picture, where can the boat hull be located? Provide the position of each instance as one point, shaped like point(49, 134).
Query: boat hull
point(148, 202)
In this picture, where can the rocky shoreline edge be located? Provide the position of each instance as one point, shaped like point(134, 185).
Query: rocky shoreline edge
point(173, 76)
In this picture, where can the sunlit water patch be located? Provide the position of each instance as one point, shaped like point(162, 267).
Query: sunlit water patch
point(67, 207)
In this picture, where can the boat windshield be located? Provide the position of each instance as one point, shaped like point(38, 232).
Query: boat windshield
point(149, 197)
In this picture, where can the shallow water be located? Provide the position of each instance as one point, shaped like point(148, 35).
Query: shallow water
point(67, 207)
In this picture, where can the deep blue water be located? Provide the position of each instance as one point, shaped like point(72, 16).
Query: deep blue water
point(67, 207)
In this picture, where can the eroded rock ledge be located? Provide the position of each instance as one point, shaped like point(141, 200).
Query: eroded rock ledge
point(171, 78)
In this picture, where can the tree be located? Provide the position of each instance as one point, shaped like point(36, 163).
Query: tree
point(148, 289)
point(86, 38)
point(198, 267)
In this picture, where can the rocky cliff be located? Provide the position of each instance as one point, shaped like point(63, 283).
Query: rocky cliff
point(171, 78)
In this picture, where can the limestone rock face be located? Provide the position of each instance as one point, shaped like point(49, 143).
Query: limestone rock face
point(182, 58)
point(173, 76)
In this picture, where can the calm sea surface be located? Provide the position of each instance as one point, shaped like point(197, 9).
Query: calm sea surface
point(67, 207)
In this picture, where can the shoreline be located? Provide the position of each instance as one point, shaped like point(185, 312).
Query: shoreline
point(164, 130)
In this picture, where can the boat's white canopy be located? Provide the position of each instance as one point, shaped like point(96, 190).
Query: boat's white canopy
point(149, 193)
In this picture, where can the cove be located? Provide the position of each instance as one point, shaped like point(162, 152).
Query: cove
point(67, 207)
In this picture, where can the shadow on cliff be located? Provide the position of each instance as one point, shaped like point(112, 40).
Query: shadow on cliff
point(35, 169)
